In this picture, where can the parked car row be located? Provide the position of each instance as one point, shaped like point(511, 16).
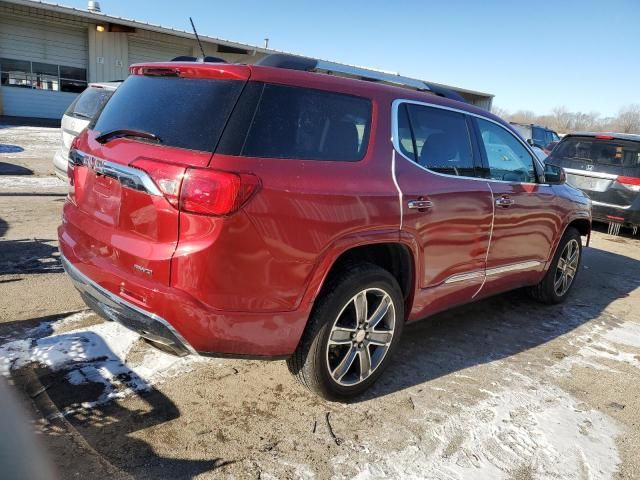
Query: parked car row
point(76, 118)
point(272, 211)
point(607, 167)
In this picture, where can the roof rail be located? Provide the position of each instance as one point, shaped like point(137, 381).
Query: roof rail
point(294, 62)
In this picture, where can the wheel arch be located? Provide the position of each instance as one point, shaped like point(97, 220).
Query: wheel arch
point(389, 253)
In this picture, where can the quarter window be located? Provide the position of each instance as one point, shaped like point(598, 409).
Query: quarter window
point(508, 159)
point(436, 139)
point(279, 121)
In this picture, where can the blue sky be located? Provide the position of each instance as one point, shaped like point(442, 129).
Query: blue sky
point(532, 55)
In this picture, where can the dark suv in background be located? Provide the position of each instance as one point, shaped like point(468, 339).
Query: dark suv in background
point(536, 135)
point(607, 168)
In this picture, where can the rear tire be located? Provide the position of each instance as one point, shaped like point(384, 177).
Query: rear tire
point(559, 279)
point(352, 333)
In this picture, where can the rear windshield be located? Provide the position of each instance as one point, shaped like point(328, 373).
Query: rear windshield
point(89, 102)
point(182, 112)
point(279, 121)
point(621, 153)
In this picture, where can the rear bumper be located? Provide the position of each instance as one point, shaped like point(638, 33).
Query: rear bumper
point(604, 212)
point(60, 160)
point(112, 307)
point(170, 316)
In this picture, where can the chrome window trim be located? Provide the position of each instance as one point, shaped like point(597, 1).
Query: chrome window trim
point(395, 140)
point(129, 177)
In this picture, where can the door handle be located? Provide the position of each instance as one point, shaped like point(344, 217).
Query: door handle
point(420, 204)
point(504, 201)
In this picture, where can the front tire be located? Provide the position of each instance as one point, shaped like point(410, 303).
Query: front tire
point(352, 333)
point(559, 279)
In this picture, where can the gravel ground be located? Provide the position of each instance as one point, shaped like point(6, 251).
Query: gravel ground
point(504, 388)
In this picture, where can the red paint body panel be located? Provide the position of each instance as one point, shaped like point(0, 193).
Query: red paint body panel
point(245, 283)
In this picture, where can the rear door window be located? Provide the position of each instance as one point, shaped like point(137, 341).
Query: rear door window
point(436, 139)
point(279, 121)
point(183, 112)
point(507, 158)
point(89, 103)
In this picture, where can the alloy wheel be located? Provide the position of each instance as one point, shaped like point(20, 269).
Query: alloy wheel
point(567, 267)
point(361, 336)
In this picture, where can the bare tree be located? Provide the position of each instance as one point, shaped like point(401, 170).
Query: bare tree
point(628, 119)
point(563, 119)
point(501, 112)
point(523, 116)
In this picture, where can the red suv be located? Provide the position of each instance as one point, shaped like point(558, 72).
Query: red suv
point(271, 212)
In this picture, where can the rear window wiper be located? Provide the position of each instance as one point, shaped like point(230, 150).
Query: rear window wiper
point(124, 132)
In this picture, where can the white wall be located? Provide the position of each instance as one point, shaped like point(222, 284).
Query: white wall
point(25, 102)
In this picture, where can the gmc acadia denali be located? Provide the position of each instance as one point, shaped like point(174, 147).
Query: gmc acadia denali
point(280, 210)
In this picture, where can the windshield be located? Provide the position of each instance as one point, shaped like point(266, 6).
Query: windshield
point(181, 112)
point(622, 153)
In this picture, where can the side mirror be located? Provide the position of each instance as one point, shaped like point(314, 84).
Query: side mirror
point(554, 175)
point(530, 141)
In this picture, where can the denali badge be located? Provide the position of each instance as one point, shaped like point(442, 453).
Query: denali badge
point(589, 167)
point(142, 269)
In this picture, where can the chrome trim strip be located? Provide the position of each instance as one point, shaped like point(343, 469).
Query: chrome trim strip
point(77, 276)
point(395, 181)
point(396, 140)
point(587, 173)
point(602, 204)
point(462, 277)
point(513, 267)
point(129, 177)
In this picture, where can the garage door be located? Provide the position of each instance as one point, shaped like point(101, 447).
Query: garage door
point(43, 63)
point(148, 50)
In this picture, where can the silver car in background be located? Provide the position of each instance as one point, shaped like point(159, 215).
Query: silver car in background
point(83, 109)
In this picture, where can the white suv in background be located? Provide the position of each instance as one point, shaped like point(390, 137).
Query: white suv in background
point(77, 117)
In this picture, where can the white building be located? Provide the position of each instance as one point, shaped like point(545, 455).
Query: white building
point(49, 52)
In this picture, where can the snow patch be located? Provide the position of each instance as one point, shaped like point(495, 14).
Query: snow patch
point(22, 182)
point(543, 430)
point(93, 354)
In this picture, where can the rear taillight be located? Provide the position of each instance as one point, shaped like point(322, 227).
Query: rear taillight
point(168, 177)
point(630, 182)
point(214, 192)
point(199, 190)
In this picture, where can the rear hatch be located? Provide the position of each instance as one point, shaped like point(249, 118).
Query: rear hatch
point(605, 167)
point(127, 169)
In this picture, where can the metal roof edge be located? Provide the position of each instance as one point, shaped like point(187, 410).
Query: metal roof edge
point(103, 17)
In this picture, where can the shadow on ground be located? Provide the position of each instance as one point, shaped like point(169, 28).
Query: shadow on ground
point(28, 256)
point(92, 372)
point(11, 169)
point(6, 148)
point(504, 325)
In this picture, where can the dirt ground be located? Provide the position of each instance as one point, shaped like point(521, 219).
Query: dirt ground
point(504, 388)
